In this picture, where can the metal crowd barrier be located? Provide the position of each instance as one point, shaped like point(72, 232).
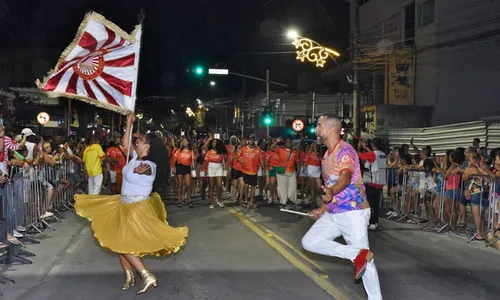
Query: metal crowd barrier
point(29, 201)
point(424, 210)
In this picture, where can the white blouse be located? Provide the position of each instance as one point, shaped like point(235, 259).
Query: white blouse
point(134, 184)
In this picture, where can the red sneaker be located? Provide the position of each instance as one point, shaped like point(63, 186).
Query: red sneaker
point(364, 256)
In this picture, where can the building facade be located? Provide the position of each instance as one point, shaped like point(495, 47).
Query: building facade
point(439, 53)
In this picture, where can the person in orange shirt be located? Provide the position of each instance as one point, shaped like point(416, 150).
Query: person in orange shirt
point(287, 181)
point(303, 169)
point(183, 162)
point(273, 160)
point(216, 157)
point(261, 174)
point(235, 169)
point(203, 177)
point(313, 161)
point(116, 156)
point(249, 157)
point(230, 148)
point(172, 154)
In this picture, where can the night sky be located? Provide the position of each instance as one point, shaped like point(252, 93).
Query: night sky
point(181, 34)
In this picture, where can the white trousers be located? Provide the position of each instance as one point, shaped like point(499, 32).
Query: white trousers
point(112, 176)
point(353, 227)
point(287, 187)
point(95, 184)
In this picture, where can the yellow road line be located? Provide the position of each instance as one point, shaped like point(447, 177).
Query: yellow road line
point(299, 253)
point(312, 262)
point(321, 282)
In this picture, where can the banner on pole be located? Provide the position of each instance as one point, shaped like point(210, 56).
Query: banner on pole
point(99, 67)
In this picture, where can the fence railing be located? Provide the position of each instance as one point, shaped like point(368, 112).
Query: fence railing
point(442, 138)
point(30, 201)
point(442, 205)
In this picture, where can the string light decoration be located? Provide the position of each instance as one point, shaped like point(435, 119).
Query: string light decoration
point(313, 51)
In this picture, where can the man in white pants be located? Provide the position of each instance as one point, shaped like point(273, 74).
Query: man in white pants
point(346, 211)
point(92, 158)
point(287, 181)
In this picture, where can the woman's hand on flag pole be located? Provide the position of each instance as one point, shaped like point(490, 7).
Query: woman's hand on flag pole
point(130, 118)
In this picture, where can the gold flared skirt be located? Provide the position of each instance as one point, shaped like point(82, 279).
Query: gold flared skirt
point(138, 228)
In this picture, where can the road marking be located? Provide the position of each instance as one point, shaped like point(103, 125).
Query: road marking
point(321, 282)
point(71, 248)
point(299, 253)
point(54, 270)
point(270, 233)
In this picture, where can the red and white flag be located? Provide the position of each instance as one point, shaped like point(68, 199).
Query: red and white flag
point(99, 67)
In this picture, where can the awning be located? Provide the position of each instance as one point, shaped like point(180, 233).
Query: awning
point(7, 94)
point(36, 95)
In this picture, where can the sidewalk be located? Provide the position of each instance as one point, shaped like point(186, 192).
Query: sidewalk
point(49, 253)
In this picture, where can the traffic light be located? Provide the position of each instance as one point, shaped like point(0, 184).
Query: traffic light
point(267, 118)
point(199, 70)
point(310, 129)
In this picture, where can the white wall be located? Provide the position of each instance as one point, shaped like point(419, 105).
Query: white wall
point(459, 77)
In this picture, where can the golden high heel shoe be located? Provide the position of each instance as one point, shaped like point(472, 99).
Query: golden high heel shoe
point(129, 280)
point(149, 281)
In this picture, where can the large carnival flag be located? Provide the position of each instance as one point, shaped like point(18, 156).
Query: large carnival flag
point(99, 67)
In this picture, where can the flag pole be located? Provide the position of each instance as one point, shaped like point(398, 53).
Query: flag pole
point(140, 18)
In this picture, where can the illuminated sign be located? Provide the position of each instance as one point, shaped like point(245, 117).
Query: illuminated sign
point(43, 118)
point(298, 125)
point(312, 51)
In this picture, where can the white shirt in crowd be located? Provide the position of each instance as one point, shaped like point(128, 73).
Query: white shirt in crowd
point(30, 147)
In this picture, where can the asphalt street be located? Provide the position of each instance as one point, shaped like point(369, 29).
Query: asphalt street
point(256, 254)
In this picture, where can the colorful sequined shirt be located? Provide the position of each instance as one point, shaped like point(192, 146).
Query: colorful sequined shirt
point(353, 197)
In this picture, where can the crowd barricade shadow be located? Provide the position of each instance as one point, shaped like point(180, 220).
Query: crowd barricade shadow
point(30, 201)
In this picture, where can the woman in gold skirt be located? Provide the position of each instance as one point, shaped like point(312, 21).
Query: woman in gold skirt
point(134, 224)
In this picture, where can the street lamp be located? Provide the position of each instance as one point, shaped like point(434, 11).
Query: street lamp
point(311, 50)
point(212, 83)
point(292, 34)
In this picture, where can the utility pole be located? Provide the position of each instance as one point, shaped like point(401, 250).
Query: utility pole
point(313, 112)
point(268, 97)
point(68, 119)
point(354, 59)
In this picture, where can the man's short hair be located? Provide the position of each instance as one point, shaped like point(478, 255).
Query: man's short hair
point(332, 117)
point(474, 155)
point(426, 152)
point(377, 142)
point(472, 149)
